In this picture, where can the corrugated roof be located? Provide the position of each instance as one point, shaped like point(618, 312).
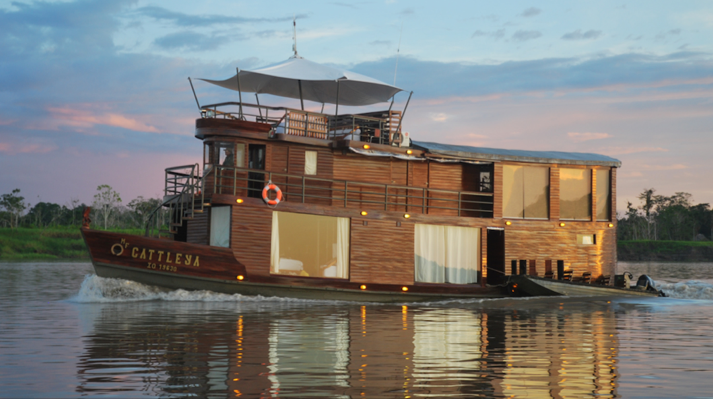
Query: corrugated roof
point(494, 154)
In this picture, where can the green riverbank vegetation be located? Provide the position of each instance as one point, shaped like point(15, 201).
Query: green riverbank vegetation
point(49, 231)
point(659, 228)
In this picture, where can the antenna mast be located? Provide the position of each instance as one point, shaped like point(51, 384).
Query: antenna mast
point(398, 49)
point(294, 37)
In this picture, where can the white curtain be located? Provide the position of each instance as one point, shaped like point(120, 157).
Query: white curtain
point(429, 248)
point(275, 245)
point(343, 247)
point(220, 226)
point(446, 254)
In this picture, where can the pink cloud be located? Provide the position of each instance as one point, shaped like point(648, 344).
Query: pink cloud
point(82, 117)
point(588, 136)
point(26, 148)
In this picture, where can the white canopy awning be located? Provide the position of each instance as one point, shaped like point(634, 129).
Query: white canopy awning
point(302, 79)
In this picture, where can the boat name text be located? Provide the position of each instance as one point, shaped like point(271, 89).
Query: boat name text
point(170, 257)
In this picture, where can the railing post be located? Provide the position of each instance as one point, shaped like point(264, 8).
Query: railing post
point(459, 202)
point(423, 204)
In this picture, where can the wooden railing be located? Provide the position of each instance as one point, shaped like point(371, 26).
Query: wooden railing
point(382, 127)
point(350, 194)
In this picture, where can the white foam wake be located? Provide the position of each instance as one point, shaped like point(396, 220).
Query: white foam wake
point(692, 289)
point(99, 289)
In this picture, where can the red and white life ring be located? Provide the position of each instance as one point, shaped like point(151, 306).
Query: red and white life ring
point(278, 194)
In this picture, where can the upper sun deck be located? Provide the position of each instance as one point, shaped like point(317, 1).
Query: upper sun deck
point(379, 127)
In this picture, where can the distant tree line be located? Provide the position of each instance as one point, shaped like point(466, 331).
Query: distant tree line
point(107, 211)
point(659, 217)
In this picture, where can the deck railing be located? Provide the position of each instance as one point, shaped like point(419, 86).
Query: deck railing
point(381, 127)
point(350, 194)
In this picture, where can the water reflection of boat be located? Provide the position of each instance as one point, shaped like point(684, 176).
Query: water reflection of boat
point(538, 286)
point(354, 351)
point(298, 203)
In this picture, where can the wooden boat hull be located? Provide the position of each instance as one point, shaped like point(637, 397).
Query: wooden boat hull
point(538, 286)
point(179, 265)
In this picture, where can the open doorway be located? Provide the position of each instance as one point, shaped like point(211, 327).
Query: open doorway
point(496, 256)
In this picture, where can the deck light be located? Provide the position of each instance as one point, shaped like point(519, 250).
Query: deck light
point(239, 200)
point(363, 213)
point(404, 289)
point(562, 224)
point(406, 216)
point(366, 146)
point(241, 277)
point(409, 152)
point(363, 287)
point(611, 224)
point(508, 223)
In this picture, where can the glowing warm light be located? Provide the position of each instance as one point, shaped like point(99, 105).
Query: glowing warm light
point(241, 277)
point(406, 216)
point(239, 200)
point(363, 213)
point(363, 287)
point(508, 223)
point(409, 152)
point(404, 289)
point(367, 146)
point(562, 224)
point(611, 224)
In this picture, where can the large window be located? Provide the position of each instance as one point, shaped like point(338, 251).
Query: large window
point(603, 194)
point(576, 194)
point(446, 254)
point(309, 245)
point(526, 191)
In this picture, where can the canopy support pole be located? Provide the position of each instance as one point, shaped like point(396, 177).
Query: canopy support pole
point(258, 105)
point(398, 128)
point(302, 103)
point(322, 111)
point(240, 94)
point(392, 102)
point(336, 111)
point(194, 94)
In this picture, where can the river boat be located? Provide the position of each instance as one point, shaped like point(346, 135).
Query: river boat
point(305, 203)
point(540, 286)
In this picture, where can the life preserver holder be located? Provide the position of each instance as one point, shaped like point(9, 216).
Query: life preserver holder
point(266, 191)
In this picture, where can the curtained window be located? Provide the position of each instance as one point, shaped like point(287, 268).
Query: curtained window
point(603, 194)
point(309, 245)
point(526, 191)
point(220, 226)
point(446, 254)
point(310, 162)
point(575, 194)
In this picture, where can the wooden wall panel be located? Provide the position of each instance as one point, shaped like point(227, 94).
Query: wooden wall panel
point(250, 237)
point(554, 193)
point(198, 229)
point(382, 252)
point(498, 191)
point(542, 241)
point(613, 196)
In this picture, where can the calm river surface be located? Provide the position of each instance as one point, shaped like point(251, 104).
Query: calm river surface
point(66, 333)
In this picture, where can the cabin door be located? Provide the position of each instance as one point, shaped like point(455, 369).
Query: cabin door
point(256, 161)
point(496, 256)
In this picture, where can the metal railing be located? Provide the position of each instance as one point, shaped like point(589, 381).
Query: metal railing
point(182, 190)
point(343, 193)
point(382, 127)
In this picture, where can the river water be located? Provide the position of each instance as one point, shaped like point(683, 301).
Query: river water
point(66, 333)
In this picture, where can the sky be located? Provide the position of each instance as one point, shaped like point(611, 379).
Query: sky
point(96, 92)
